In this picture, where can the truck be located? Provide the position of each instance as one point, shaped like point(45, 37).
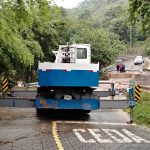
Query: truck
point(69, 82)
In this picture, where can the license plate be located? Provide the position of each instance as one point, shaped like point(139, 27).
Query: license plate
point(67, 97)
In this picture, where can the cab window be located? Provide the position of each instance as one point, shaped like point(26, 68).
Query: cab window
point(81, 53)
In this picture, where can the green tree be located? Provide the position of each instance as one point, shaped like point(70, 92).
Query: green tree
point(85, 15)
point(27, 31)
point(105, 44)
point(147, 47)
point(140, 12)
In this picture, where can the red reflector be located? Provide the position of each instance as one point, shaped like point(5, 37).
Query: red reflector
point(91, 70)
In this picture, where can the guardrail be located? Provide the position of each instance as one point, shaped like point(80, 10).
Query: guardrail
point(34, 84)
point(104, 104)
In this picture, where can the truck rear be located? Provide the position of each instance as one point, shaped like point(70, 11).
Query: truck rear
point(68, 83)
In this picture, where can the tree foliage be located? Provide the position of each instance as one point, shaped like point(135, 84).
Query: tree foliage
point(147, 47)
point(140, 12)
point(105, 44)
point(31, 29)
point(27, 30)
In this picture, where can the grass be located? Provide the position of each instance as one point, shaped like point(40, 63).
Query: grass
point(142, 109)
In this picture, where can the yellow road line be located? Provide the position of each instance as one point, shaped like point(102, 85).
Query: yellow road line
point(56, 136)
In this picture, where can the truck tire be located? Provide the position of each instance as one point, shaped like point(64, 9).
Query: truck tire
point(87, 111)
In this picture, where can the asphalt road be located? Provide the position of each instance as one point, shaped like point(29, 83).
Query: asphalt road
point(128, 61)
point(22, 129)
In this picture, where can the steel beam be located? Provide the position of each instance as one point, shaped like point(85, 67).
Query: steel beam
point(114, 104)
point(17, 102)
point(102, 93)
point(27, 103)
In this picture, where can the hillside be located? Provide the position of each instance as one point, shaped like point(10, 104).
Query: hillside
point(96, 9)
point(111, 15)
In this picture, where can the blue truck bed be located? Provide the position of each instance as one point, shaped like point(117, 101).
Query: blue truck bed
point(56, 81)
point(73, 78)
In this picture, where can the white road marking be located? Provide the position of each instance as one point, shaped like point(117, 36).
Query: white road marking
point(124, 138)
point(80, 137)
point(96, 123)
point(110, 132)
point(98, 136)
point(134, 137)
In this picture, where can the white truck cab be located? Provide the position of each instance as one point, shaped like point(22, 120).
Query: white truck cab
point(75, 53)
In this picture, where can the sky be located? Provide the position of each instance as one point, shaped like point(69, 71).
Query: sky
point(67, 3)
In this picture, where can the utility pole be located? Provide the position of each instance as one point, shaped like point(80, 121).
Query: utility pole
point(130, 38)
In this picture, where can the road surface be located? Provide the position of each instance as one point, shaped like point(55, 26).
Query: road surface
point(22, 129)
point(128, 61)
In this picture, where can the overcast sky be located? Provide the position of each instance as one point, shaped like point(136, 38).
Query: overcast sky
point(68, 3)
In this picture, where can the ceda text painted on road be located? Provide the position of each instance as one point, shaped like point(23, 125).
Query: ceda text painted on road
point(107, 136)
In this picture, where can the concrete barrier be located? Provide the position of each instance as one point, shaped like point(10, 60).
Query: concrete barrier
point(145, 87)
point(120, 75)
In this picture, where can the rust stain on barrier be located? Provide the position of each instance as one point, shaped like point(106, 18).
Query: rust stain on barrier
point(43, 103)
